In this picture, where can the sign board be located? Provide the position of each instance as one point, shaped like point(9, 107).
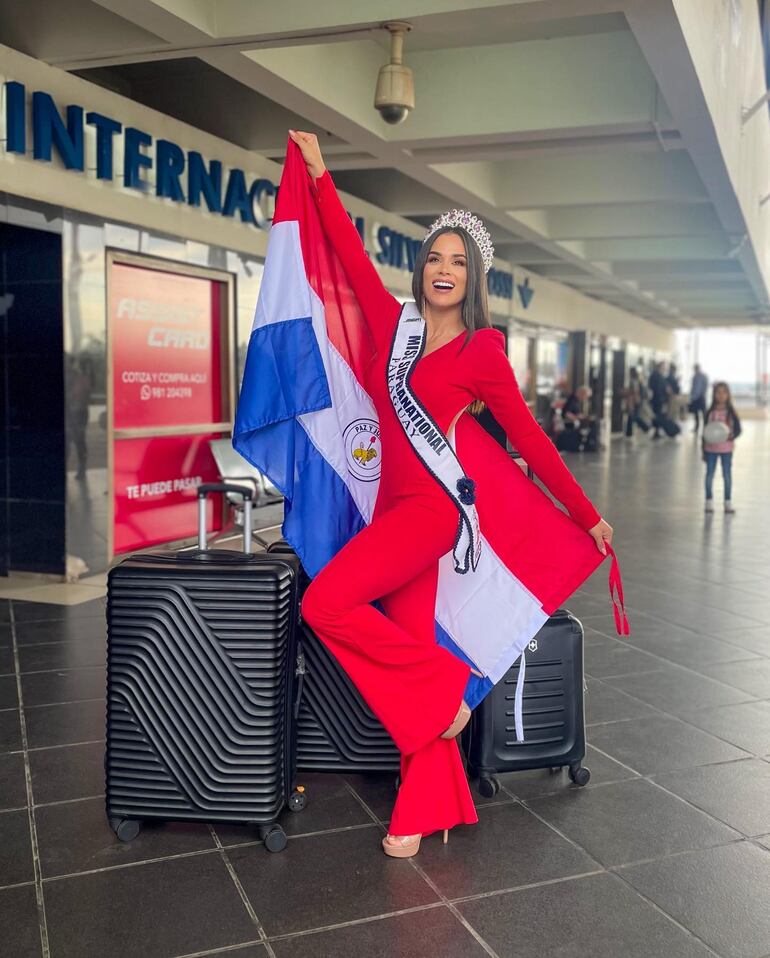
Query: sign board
point(166, 336)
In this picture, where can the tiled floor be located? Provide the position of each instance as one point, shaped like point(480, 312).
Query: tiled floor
point(665, 853)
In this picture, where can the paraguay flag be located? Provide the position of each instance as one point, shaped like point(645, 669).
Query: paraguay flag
point(302, 386)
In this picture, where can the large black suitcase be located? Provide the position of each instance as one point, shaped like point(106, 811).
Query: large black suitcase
point(336, 730)
point(667, 424)
point(200, 687)
point(552, 711)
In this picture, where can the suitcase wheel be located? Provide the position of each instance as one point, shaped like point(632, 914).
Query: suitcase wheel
point(274, 837)
point(298, 799)
point(579, 774)
point(489, 787)
point(126, 829)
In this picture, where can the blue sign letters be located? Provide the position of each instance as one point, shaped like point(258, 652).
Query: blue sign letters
point(181, 176)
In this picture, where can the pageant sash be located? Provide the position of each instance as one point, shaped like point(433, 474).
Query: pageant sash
point(428, 441)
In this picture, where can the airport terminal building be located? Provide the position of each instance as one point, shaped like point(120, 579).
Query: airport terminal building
point(167, 712)
point(133, 246)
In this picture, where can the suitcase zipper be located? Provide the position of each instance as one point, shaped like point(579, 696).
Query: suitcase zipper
point(300, 672)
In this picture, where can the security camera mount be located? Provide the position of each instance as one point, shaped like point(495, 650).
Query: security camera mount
point(394, 96)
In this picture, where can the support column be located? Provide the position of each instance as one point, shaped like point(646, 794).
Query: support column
point(578, 360)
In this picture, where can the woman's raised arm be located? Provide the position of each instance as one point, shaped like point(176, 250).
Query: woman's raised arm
point(379, 307)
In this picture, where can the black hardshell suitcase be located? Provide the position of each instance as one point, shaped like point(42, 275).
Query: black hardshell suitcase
point(200, 687)
point(552, 711)
point(336, 729)
point(668, 425)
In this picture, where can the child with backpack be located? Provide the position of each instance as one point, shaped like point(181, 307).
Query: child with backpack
point(721, 430)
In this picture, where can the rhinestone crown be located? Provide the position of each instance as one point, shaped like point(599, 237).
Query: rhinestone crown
point(473, 226)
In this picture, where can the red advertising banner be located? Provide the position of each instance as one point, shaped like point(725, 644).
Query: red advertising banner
point(155, 483)
point(165, 330)
point(165, 334)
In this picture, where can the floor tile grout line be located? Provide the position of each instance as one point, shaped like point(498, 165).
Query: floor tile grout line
point(700, 605)
point(324, 831)
point(429, 882)
point(592, 675)
point(368, 919)
point(678, 854)
point(637, 718)
point(515, 889)
point(69, 801)
point(67, 669)
point(45, 946)
point(18, 884)
point(687, 851)
point(627, 643)
point(224, 950)
point(638, 776)
point(62, 642)
point(191, 854)
point(241, 892)
point(453, 909)
point(707, 678)
point(691, 804)
point(612, 870)
point(48, 705)
point(88, 741)
point(656, 907)
point(513, 799)
point(124, 865)
point(671, 715)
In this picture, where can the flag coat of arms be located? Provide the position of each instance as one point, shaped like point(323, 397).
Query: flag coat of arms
point(306, 420)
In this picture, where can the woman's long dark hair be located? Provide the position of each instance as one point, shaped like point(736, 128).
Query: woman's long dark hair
point(475, 305)
point(731, 414)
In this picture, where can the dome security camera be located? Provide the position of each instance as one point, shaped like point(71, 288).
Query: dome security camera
point(394, 96)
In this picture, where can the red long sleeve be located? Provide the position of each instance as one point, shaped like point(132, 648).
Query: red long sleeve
point(379, 307)
point(495, 384)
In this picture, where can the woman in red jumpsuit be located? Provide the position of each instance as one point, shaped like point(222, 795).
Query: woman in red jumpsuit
point(413, 685)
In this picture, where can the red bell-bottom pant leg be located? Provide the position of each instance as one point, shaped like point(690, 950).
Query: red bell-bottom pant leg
point(434, 791)
point(414, 687)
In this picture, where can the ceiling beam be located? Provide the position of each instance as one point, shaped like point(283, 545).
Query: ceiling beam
point(700, 74)
point(641, 221)
point(542, 184)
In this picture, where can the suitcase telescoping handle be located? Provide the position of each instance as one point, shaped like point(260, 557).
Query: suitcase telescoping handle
point(206, 489)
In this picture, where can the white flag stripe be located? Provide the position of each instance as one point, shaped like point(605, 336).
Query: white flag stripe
point(286, 294)
point(489, 614)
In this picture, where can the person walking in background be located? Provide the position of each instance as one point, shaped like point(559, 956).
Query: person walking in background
point(722, 427)
point(633, 397)
point(658, 389)
point(676, 401)
point(698, 391)
point(672, 379)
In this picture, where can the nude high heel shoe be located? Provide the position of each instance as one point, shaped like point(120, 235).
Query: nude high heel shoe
point(461, 720)
point(405, 846)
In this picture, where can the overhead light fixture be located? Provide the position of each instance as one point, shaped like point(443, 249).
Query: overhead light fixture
point(394, 96)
